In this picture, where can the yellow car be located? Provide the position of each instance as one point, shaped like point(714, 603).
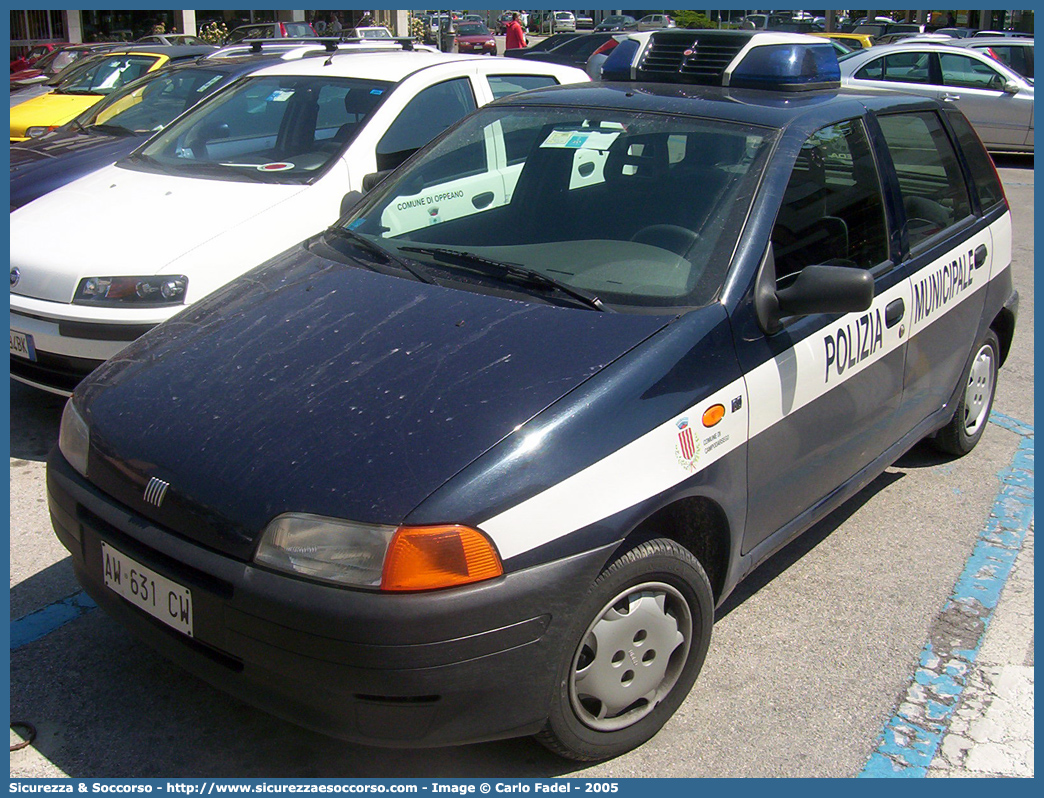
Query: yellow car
point(99, 76)
point(854, 41)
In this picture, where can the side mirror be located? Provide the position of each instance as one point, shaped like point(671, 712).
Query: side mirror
point(349, 201)
point(816, 289)
point(1011, 87)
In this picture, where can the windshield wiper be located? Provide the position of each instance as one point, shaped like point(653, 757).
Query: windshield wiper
point(114, 130)
point(509, 271)
point(377, 249)
point(149, 161)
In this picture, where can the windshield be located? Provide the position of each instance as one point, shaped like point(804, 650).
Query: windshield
point(276, 128)
point(152, 102)
point(640, 210)
point(108, 74)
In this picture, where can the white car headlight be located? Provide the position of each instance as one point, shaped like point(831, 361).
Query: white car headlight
point(74, 438)
point(38, 130)
point(326, 548)
point(154, 290)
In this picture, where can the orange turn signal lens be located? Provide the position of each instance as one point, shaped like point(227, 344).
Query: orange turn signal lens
point(713, 414)
point(433, 557)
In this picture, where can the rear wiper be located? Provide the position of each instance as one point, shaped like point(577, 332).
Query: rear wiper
point(511, 271)
point(376, 249)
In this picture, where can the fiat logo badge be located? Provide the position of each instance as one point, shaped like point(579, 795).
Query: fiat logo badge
point(155, 491)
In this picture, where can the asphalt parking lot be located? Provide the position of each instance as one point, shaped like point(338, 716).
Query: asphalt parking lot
point(809, 658)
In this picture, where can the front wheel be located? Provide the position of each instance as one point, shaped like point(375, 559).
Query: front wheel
point(963, 431)
point(636, 646)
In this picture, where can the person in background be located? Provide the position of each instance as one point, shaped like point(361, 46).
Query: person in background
point(516, 37)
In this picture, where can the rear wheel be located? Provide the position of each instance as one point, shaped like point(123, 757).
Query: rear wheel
point(637, 645)
point(963, 431)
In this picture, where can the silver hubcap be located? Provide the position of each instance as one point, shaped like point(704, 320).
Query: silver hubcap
point(631, 656)
point(978, 391)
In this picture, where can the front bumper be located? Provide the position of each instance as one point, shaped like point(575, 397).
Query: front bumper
point(427, 669)
point(68, 347)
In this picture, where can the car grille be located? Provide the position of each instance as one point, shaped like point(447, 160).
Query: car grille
point(665, 57)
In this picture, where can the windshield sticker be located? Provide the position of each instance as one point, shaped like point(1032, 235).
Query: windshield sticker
point(208, 84)
point(356, 223)
point(280, 96)
point(378, 92)
point(579, 140)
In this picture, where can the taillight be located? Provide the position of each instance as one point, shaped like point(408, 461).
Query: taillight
point(605, 48)
point(282, 30)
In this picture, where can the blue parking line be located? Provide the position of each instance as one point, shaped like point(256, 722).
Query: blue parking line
point(37, 625)
point(910, 739)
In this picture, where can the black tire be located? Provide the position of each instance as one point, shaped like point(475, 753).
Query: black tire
point(963, 431)
point(667, 594)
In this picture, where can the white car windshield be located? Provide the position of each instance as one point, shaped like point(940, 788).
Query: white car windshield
point(276, 128)
point(637, 209)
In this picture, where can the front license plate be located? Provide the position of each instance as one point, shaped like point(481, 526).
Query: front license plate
point(22, 345)
point(146, 589)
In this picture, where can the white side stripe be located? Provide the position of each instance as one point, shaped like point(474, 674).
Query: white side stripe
point(769, 393)
point(646, 466)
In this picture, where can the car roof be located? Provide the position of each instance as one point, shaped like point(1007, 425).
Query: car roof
point(859, 56)
point(389, 65)
point(976, 42)
point(808, 111)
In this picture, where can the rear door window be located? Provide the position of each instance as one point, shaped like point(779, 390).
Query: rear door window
point(934, 193)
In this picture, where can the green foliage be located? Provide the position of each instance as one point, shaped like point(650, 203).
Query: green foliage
point(691, 19)
point(213, 33)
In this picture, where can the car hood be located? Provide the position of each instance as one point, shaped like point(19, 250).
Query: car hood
point(145, 222)
point(311, 385)
point(49, 109)
point(41, 165)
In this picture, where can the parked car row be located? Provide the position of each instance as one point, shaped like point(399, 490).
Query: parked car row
point(478, 453)
point(251, 169)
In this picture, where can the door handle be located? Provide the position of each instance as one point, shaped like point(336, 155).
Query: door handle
point(980, 255)
point(894, 312)
point(482, 200)
point(949, 98)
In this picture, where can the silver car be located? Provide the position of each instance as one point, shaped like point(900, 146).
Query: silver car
point(1016, 54)
point(997, 100)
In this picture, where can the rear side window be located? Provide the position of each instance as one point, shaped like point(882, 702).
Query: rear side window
point(984, 176)
point(832, 211)
point(934, 193)
point(910, 67)
point(503, 85)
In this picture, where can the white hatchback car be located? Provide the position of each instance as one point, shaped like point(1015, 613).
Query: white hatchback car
point(256, 168)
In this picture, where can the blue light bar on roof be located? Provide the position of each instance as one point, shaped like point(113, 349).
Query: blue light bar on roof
point(618, 65)
point(788, 67)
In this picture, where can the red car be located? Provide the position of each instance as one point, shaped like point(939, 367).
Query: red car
point(54, 62)
point(474, 37)
point(36, 52)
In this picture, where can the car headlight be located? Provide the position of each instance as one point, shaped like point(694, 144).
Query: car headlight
point(38, 130)
point(377, 556)
point(74, 438)
point(154, 290)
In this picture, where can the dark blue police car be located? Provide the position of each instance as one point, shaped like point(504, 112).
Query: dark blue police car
point(482, 459)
